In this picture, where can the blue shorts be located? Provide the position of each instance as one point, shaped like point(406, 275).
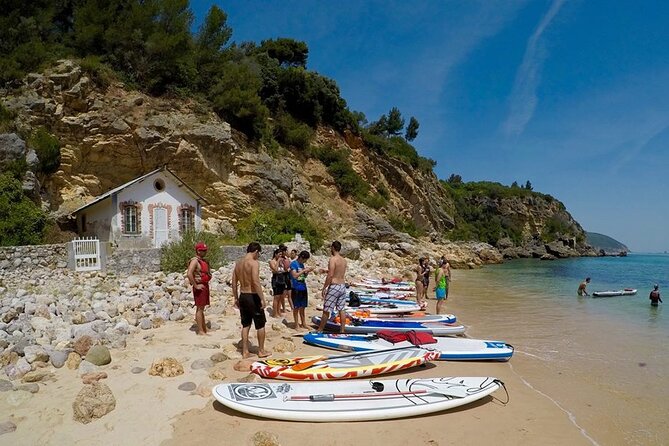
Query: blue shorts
point(300, 298)
point(442, 293)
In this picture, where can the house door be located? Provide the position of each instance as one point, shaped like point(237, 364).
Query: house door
point(160, 231)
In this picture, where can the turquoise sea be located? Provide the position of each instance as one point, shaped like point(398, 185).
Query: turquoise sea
point(605, 361)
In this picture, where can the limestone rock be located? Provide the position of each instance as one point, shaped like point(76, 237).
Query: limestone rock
point(217, 375)
point(93, 401)
point(187, 386)
point(98, 355)
point(7, 358)
point(87, 367)
point(90, 378)
point(218, 357)
point(285, 347)
point(204, 388)
point(73, 361)
point(201, 364)
point(58, 358)
point(264, 438)
point(34, 353)
point(30, 387)
point(137, 370)
point(6, 385)
point(82, 345)
point(244, 365)
point(166, 368)
point(37, 375)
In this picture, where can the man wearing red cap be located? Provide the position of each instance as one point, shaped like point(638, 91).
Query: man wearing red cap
point(199, 275)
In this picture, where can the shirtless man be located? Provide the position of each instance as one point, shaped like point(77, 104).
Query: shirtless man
point(199, 275)
point(334, 288)
point(251, 301)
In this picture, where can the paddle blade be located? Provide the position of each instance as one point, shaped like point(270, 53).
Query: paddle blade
point(306, 364)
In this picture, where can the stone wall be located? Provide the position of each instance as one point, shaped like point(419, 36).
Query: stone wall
point(24, 258)
point(133, 261)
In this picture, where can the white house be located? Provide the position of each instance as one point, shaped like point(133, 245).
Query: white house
point(142, 213)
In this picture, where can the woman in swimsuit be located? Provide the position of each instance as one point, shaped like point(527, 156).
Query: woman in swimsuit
point(278, 282)
point(426, 270)
point(419, 282)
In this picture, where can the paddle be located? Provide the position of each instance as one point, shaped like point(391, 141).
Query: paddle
point(456, 392)
point(306, 364)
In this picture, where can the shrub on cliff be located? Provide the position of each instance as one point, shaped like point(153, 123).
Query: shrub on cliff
point(22, 222)
point(278, 226)
point(175, 255)
point(403, 224)
point(290, 132)
point(47, 148)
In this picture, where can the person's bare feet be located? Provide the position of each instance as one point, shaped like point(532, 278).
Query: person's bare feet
point(246, 355)
point(200, 333)
point(263, 354)
point(304, 326)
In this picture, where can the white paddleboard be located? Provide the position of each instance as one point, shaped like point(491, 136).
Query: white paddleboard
point(355, 400)
point(451, 349)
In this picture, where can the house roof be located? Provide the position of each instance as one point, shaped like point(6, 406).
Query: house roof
point(137, 180)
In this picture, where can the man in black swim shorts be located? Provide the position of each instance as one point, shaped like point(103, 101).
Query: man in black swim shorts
point(251, 301)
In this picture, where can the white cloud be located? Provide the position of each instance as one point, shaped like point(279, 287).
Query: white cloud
point(523, 99)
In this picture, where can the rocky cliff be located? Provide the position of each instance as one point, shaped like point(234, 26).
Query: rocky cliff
point(111, 135)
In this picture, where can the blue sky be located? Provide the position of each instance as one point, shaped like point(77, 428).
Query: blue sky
point(572, 95)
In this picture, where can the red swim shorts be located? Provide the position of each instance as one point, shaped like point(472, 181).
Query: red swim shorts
point(201, 296)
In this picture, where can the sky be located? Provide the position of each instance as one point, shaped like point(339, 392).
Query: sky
point(572, 95)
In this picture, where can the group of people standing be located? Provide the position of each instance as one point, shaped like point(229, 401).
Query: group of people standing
point(442, 278)
point(289, 274)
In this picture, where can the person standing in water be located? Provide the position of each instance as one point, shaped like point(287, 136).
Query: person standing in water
point(582, 287)
point(442, 280)
point(251, 301)
point(334, 288)
point(199, 275)
point(655, 296)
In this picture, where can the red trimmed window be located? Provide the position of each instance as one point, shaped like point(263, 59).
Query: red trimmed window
point(130, 219)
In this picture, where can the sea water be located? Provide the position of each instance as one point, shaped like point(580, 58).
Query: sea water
point(604, 361)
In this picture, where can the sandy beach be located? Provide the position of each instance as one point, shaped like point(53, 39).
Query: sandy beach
point(152, 410)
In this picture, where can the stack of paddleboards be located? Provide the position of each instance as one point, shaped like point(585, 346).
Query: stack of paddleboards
point(438, 324)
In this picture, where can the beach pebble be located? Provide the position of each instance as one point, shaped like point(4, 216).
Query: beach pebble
point(264, 438)
point(39, 365)
point(204, 389)
point(178, 315)
point(30, 387)
point(145, 324)
point(87, 367)
point(188, 386)
point(166, 368)
point(244, 365)
point(58, 358)
point(213, 326)
point(90, 378)
point(73, 361)
point(98, 355)
point(36, 376)
point(93, 401)
point(7, 427)
point(8, 358)
point(6, 385)
point(217, 375)
point(218, 357)
point(82, 345)
point(285, 347)
point(34, 353)
point(137, 370)
point(201, 364)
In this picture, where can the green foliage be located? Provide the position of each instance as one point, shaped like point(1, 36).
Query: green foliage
point(100, 73)
point(235, 98)
point(412, 129)
point(395, 122)
point(398, 148)
point(47, 148)
point(383, 191)
point(528, 185)
point(278, 226)
point(287, 52)
point(290, 132)
point(555, 226)
point(6, 119)
point(403, 224)
point(22, 222)
point(175, 255)
point(349, 183)
point(374, 201)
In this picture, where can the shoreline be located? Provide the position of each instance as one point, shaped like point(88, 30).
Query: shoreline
point(175, 416)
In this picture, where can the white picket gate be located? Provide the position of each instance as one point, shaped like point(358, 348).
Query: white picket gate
point(86, 254)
